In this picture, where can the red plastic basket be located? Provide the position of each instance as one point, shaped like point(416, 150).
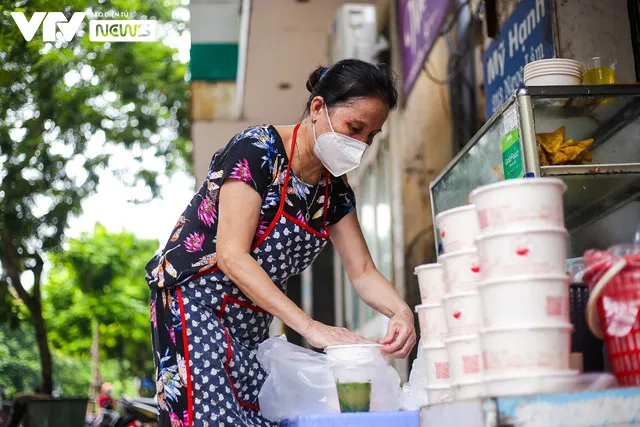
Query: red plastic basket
point(613, 310)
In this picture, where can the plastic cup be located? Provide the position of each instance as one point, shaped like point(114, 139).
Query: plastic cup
point(524, 350)
point(354, 369)
point(523, 251)
point(600, 70)
point(458, 228)
point(431, 282)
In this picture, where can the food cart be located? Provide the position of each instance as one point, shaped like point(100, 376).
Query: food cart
point(588, 136)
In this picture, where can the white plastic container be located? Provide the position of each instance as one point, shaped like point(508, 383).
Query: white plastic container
point(437, 361)
point(437, 395)
point(463, 313)
point(431, 282)
point(461, 270)
point(553, 61)
point(353, 352)
point(465, 359)
point(433, 327)
point(529, 202)
point(523, 251)
point(355, 362)
point(535, 383)
point(553, 72)
point(529, 300)
point(552, 64)
point(526, 350)
point(553, 78)
point(554, 68)
point(470, 390)
point(458, 228)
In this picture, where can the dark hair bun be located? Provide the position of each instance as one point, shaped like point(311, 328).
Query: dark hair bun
point(350, 79)
point(314, 78)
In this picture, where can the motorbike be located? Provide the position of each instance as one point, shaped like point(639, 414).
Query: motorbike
point(139, 412)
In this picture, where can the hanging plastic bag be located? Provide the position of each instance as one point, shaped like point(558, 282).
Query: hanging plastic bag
point(414, 392)
point(302, 382)
point(299, 381)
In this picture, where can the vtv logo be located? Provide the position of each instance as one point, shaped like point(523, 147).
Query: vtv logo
point(68, 29)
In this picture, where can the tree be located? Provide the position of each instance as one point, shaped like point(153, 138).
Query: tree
point(97, 299)
point(65, 108)
point(19, 365)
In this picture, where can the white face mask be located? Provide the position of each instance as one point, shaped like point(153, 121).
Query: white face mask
point(338, 153)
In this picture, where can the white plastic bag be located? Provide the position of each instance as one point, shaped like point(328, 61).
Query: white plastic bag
point(414, 392)
point(301, 382)
point(385, 388)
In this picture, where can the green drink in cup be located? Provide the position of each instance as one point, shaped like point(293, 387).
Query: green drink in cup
point(354, 396)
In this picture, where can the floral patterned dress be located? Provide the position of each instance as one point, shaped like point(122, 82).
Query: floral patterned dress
point(205, 330)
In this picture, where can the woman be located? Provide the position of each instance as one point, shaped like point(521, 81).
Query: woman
point(272, 199)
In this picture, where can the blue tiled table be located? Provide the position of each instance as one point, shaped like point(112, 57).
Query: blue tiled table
point(366, 419)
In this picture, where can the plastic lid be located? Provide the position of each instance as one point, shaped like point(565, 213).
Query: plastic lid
point(517, 182)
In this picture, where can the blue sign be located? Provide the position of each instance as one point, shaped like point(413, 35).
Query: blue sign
point(525, 37)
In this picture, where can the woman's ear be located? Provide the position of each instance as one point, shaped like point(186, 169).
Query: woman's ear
point(315, 109)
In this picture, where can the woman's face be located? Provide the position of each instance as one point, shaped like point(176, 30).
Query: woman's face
point(360, 118)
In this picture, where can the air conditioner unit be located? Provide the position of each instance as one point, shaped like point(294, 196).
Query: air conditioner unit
point(354, 34)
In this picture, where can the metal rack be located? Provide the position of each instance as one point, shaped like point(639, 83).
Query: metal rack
point(610, 114)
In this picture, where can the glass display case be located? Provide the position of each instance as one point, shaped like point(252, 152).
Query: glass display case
point(507, 147)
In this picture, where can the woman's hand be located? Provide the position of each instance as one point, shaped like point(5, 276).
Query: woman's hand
point(322, 336)
point(401, 334)
point(372, 287)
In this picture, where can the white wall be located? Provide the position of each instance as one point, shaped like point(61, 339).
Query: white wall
point(287, 40)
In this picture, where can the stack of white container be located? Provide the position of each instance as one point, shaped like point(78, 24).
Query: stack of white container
point(526, 335)
point(494, 317)
point(433, 331)
point(463, 313)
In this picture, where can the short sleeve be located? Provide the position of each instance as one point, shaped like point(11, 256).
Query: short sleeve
point(246, 159)
point(342, 199)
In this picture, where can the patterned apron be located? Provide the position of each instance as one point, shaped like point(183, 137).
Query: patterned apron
point(206, 332)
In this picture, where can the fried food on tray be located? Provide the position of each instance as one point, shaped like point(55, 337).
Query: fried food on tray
point(554, 150)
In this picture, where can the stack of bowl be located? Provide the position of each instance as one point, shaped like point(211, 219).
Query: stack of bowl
point(433, 331)
point(458, 229)
point(526, 335)
point(553, 72)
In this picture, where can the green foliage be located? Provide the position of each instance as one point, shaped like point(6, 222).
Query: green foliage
point(20, 367)
point(101, 277)
point(19, 364)
point(75, 294)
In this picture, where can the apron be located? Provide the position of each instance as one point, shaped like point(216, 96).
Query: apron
point(206, 332)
